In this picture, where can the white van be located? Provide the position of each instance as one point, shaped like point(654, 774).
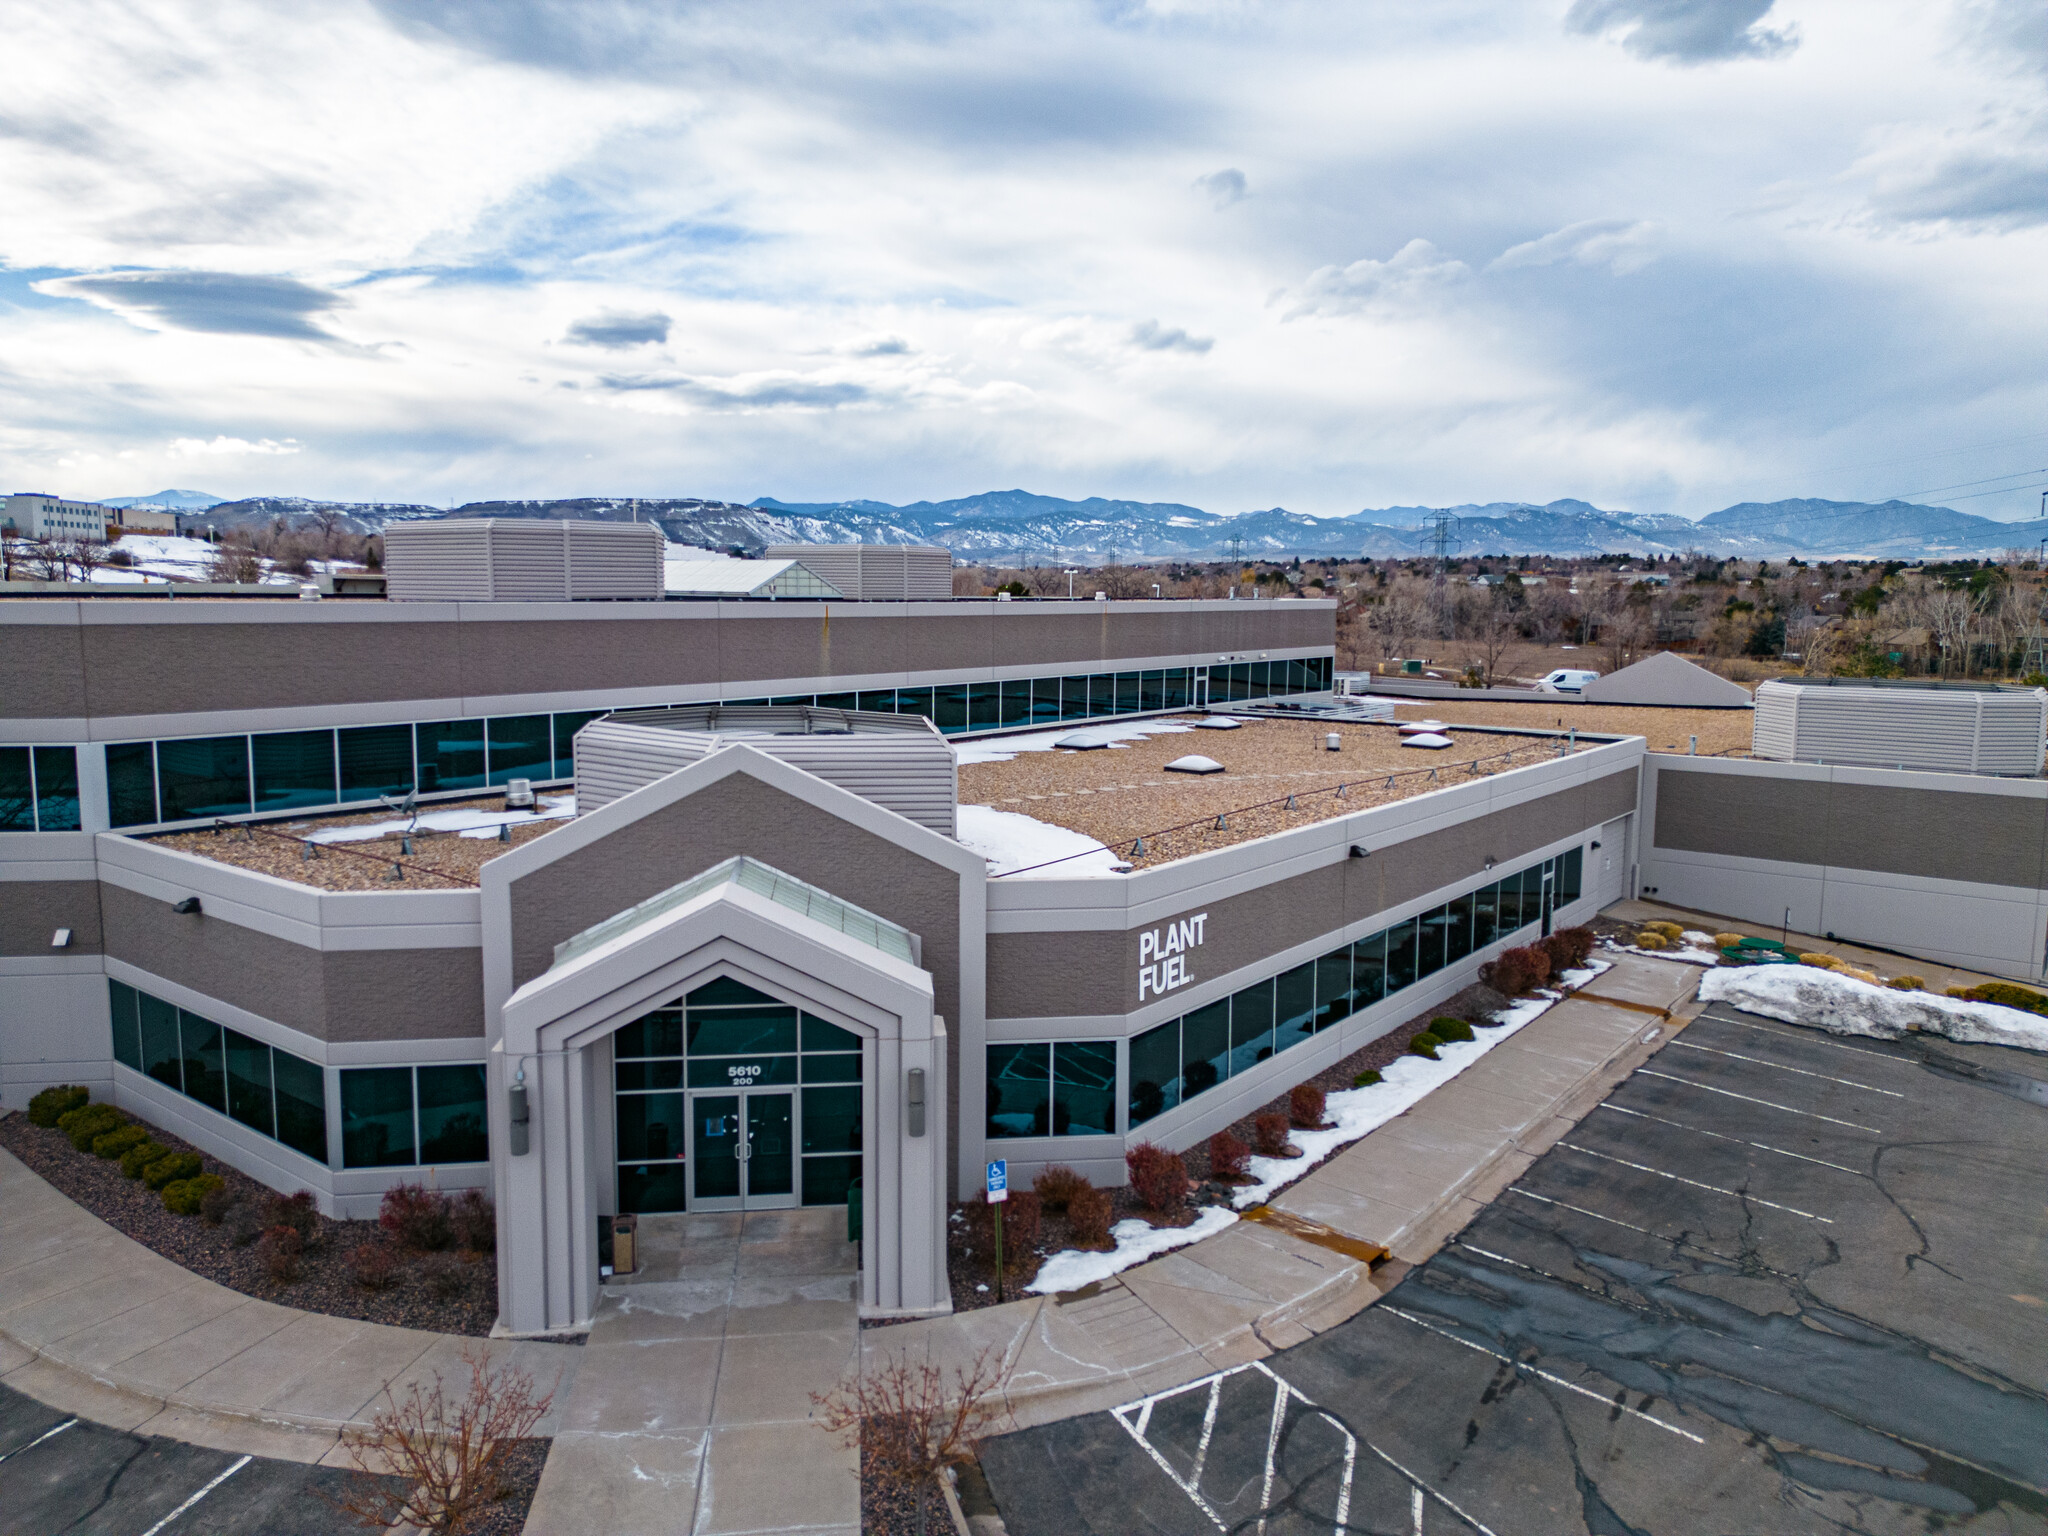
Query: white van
point(1566, 680)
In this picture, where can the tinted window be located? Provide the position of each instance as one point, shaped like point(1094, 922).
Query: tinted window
point(1251, 1026)
point(17, 791)
point(1571, 865)
point(206, 777)
point(650, 1126)
point(127, 1037)
point(249, 1094)
point(1045, 701)
point(832, 1119)
point(1333, 987)
point(450, 753)
point(566, 727)
point(1155, 1071)
point(206, 1077)
point(521, 747)
point(1084, 1088)
point(1458, 935)
point(1019, 1089)
point(163, 1058)
point(301, 1104)
point(1073, 698)
point(1294, 1006)
point(914, 701)
point(1102, 693)
point(1016, 701)
point(293, 768)
point(1176, 687)
point(376, 1117)
point(1401, 955)
point(1485, 916)
point(1151, 690)
point(451, 1100)
point(131, 783)
point(949, 707)
point(1126, 693)
point(56, 789)
point(764, 1029)
point(1205, 1048)
point(1369, 969)
point(984, 706)
point(375, 760)
point(880, 701)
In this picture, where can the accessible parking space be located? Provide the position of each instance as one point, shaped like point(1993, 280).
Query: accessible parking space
point(62, 1474)
point(1775, 1282)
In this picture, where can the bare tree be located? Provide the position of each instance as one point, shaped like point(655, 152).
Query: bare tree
point(1491, 626)
point(1395, 621)
point(909, 1426)
point(234, 562)
point(448, 1459)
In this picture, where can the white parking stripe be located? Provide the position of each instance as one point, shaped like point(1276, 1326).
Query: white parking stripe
point(1748, 1099)
point(1733, 1194)
point(1761, 1146)
point(1681, 1240)
point(1815, 1038)
point(202, 1493)
point(1779, 1066)
point(1522, 1365)
point(39, 1439)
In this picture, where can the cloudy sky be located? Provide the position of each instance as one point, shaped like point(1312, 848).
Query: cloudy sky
point(1660, 254)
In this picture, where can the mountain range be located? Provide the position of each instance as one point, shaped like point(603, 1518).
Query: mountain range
point(1020, 527)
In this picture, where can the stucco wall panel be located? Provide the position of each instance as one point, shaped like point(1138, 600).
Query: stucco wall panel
point(42, 667)
point(32, 910)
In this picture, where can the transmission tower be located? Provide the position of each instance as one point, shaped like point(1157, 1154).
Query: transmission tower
point(1443, 543)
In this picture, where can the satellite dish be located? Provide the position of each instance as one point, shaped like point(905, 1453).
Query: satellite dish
point(407, 807)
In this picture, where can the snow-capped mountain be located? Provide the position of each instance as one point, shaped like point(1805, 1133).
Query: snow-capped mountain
point(167, 501)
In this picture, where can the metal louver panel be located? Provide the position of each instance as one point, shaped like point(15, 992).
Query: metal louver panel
point(1946, 730)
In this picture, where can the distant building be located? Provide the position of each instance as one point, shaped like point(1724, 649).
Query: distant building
point(872, 572)
point(143, 519)
point(38, 515)
point(745, 578)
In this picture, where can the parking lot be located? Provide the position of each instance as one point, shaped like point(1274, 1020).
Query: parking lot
point(1776, 1282)
point(61, 1474)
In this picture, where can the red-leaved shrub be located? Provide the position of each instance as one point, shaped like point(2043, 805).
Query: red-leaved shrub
point(1057, 1186)
point(279, 1250)
point(1517, 970)
point(1159, 1177)
point(474, 1221)
point(417, 1217)
point(1305, 1106)
point(373, 1266)
point(1229, 1158)
point(296, 1211)
point(1568, 948)
point(1269, 1135)
point(1088, 1216)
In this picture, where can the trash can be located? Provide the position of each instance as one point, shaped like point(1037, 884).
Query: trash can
point(623, 1228)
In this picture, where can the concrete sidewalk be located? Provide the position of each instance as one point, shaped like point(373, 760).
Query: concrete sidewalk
point(96, 1324)
point(1261, 1285)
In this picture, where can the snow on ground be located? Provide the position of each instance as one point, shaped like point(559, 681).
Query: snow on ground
point(1356, 1112)
point(1002, 749)
point(1699, 950)
point(1136, 1241)
point(1010, 840)
point(464, 822)
point(1842, 1005)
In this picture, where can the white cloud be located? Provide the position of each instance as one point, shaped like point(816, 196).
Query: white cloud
point(1410, 273)
point(228, 447)
point(1621, 245)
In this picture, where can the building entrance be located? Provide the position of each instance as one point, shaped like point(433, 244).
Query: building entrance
point(730, 1100)
point(742, 1151)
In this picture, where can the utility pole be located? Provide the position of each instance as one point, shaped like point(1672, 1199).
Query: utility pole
point(1442, 543)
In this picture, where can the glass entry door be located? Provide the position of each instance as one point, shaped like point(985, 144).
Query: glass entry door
point(742, 1151)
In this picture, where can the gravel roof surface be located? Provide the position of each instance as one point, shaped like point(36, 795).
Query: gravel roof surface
point(1722, 732)
point(1117, 795)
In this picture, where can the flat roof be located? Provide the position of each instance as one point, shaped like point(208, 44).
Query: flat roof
point(1722, 732)
point(1123, 793)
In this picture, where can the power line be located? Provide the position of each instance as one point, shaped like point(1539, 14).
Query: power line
point(1936, 490)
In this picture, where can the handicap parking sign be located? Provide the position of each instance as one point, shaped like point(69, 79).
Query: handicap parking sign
point(998, 1181)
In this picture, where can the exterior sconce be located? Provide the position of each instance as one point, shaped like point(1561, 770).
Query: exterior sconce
point(914, 1101)
point(522, 1140)
point(1360, 851)
point(188, 907)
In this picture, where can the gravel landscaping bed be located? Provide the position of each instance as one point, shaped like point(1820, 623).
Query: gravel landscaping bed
point(970, 1266)
point(325, 1283)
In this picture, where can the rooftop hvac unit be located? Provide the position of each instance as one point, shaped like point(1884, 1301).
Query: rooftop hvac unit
point(1988, 728)
point(512, 560)
point(876, 572)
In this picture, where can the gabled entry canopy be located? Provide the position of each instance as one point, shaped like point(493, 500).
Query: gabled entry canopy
point(744, 922)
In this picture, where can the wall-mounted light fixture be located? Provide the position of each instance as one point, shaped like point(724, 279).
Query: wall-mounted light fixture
point(61, 939)
point(521, 1117)
point(1360, 851)
point(188, 906)
point(913, 1101)
point(1596, 847)
point(1491, 861)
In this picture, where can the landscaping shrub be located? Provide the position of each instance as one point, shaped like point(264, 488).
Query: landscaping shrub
point(1306, 1104)
point(1424, 1044)
point(1450, 1029)
point(46, 1107)
point(373, 1266)
point(279, 1251)
point(2005, 993)
point(244, 1223)
point(115, 1142)
point(1908, 983)
point(183, 1197)
point(1229, 1158)
point(140, 1156)
point(1269, 1135)
point(1670, 930)
point(446, 1276)
point(82, 1126)
point(1651, 941)
point(417, 1217)
point(1159, 1177)
point(1057, 1186)
point(1088, 1215)
point(1569, 948)
point(475, 1221)
point(1365, 1079)
point(1536, 960)
point(1021, 1221)
point(1856, 973)
point(170, 1168)
point(1728, 940)
point(218, 1203)
point(296, 1211)
point(1509, 973)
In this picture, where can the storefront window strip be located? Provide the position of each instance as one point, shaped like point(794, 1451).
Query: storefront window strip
point(1074, 698)
point(1045, 701)
point(1251, 1026)
point(914, 701)
point(163, 1058)
point(205, 776)
point(1333, 988)
point(519, 747)
point(650, 1127)
point(301, 1104)
point(1019, 1089)
point(1205, 1048)
point(1369, 970)
point(1571, 867)
point(1151, 690)
point(949, 707)
point(1102, 693)
point(881, 701)
point(17, 791)
point(821, 1068)
point(293, 769)
point(451, 1101)
point(1084, 1088)
point(250, 1098)
point(1155, 1072)
point(450, 754)
point(377, 1117)
point(821, 1036)
point(565, 729)
point(1127, 693)
point(375, 760)
point(762, 1030)
point(1175, 683)
point(1294, 1006)
point(121, 1002)
point(1458, 933)
point(206, 1077)
point(1016, 706)
point(1401, 955)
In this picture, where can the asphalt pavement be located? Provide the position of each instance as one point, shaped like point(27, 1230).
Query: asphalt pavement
point(1777, 1282)
point(62, 1474)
